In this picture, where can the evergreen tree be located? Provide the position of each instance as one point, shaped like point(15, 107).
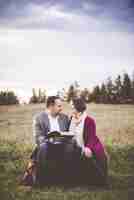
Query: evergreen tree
point(71, 93)
point(126, 89)
point(40, 96)
point(34, 98)
point(44, 96)
point(118, 89)
point(132, 88)
point(96, 94)
point(76, 85)
point(110, 91)
point(85, 94)
point(103, 94)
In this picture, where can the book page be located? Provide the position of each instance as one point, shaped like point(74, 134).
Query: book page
point(67, 133)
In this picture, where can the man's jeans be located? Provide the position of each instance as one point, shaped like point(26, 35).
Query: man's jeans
point(56, 160)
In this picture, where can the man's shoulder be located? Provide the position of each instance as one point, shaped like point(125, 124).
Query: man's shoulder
point(40, 115)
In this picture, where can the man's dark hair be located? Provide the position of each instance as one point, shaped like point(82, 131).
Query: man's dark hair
point(51, 100)
point(79, 104)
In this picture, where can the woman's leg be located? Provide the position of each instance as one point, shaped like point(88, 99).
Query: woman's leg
point(102, 170)
point(95, 170)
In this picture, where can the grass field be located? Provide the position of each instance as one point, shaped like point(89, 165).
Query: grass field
point(115, 127)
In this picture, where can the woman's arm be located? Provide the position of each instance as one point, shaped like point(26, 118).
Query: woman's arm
point(89, 133)
point(91, 140)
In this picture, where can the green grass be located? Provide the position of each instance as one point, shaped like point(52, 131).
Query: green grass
point(115, 128)
point(13, 161)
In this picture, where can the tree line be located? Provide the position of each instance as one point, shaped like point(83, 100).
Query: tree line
point(8, 98)
point(117, 91)
point(38, 97)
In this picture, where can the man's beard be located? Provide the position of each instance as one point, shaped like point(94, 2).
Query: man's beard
point(56, 114)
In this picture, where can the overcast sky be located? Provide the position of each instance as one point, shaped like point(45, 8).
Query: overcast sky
point(50, 44)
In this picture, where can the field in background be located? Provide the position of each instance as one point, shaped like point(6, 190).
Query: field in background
point(115, 127)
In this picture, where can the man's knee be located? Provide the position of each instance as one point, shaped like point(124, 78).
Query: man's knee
point(43, 149)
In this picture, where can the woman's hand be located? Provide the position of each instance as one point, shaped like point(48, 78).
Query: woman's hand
point(87, 152)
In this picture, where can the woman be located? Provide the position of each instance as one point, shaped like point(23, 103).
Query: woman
point(94, 159)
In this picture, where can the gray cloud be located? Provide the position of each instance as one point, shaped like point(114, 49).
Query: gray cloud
point(106, 14)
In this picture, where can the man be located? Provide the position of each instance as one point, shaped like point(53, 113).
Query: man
point(50, 120)
point(47, 121)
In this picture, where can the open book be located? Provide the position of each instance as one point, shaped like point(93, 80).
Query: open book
point(60, 134)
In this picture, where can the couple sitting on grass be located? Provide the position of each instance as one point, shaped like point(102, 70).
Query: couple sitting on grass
point(83, 153)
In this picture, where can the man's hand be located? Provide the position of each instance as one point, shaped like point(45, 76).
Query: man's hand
point(87, 152)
